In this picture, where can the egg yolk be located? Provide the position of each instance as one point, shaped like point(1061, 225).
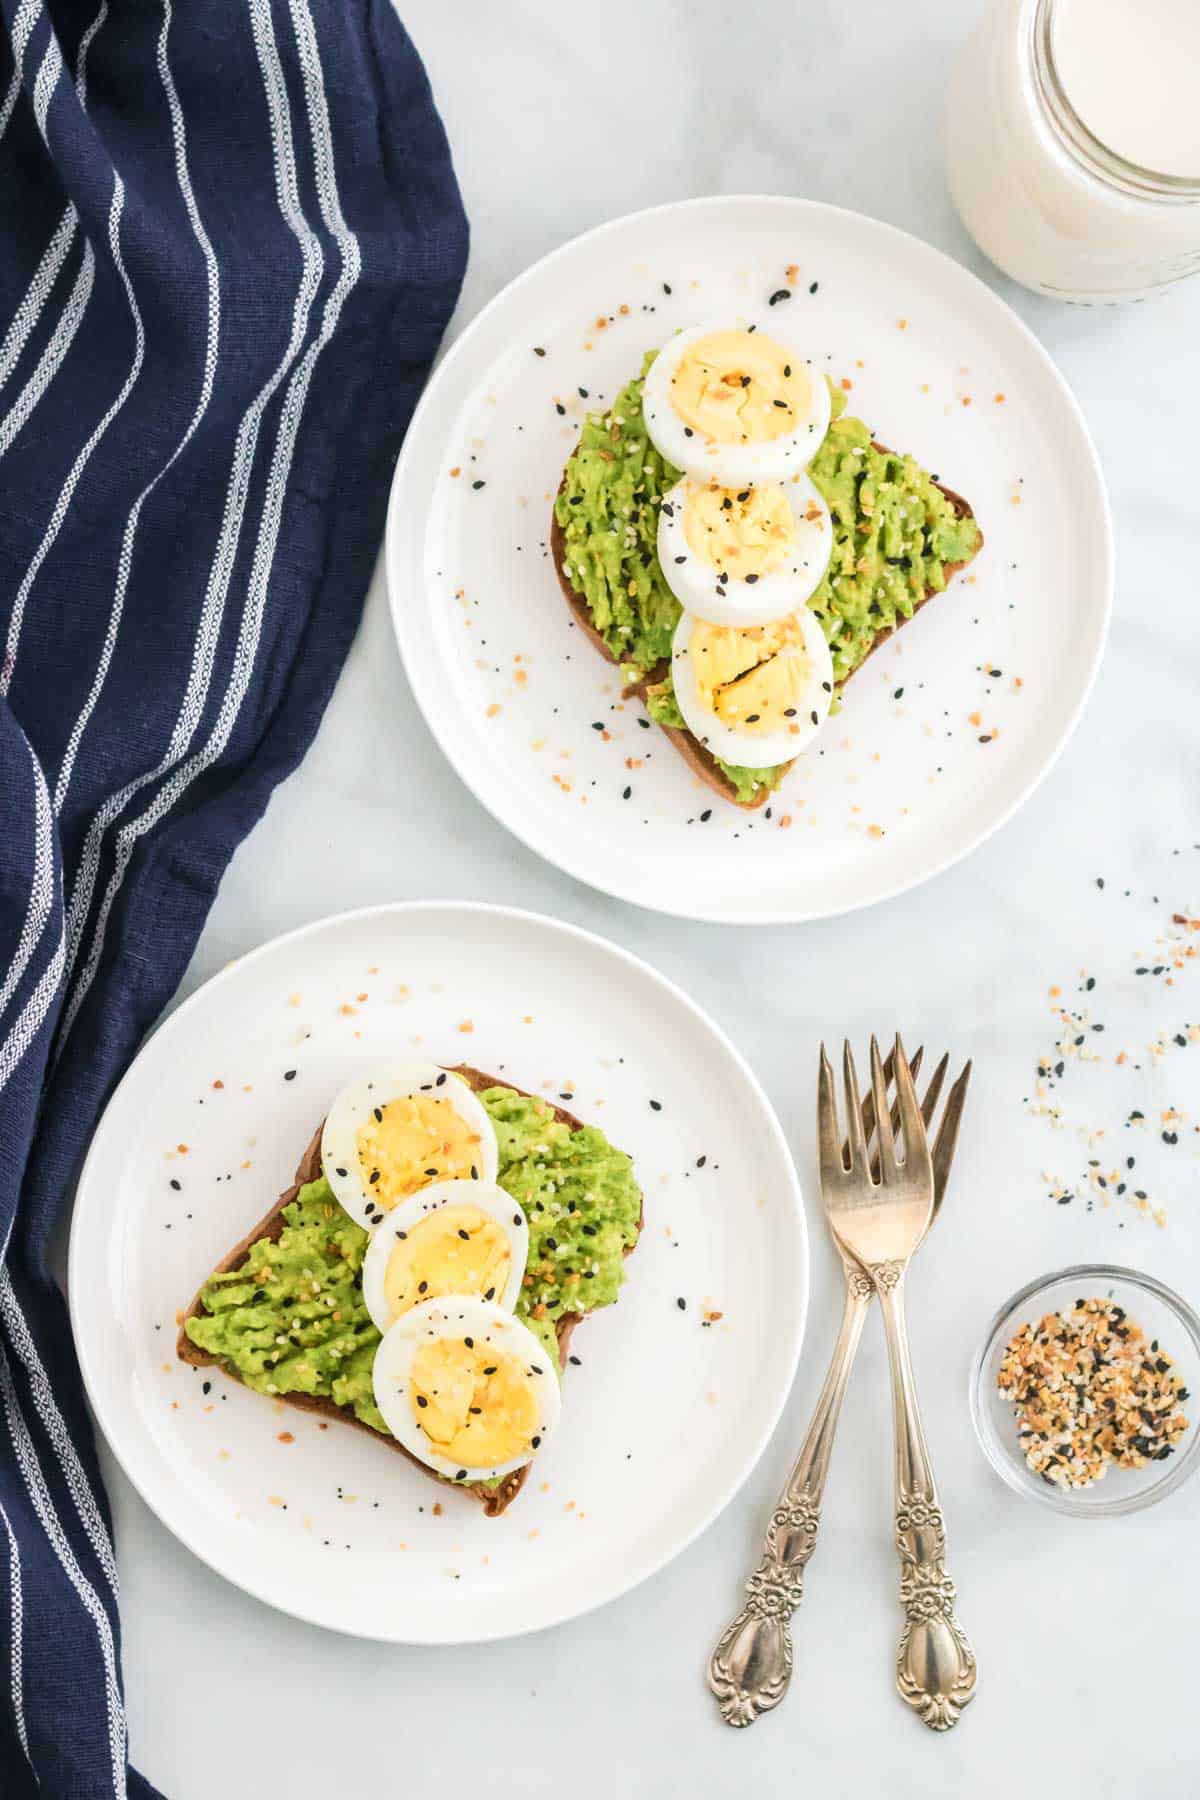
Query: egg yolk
point(456, 1250)
point(743, 532)
point(739, 387)
point(412, 1141)
point(751, 677)
point(476, 1405)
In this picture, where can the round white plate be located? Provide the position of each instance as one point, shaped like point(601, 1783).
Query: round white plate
point(207, 1127)
point(943, 733)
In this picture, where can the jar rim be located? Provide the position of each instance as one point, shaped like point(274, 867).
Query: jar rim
point(1074, 136)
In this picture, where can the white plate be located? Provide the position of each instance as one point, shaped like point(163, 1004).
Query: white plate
point(896, 788)
point(328, 1525)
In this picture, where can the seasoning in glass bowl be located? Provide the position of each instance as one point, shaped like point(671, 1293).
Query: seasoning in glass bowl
point(1090, 1391)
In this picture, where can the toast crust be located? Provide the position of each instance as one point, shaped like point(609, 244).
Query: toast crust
point(698, 759)
point(493, 1500)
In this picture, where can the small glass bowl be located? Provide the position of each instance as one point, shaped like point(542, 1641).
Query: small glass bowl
point(1162, 1315)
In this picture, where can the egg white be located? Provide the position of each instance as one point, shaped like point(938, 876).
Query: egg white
point(456, 1318)
point(353, 1106)
point(485, 1197)
point(693, 581)
point(732, 465)
point(743, 748)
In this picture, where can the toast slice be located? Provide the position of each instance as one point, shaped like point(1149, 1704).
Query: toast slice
point(494, 1500)
point(698, 758)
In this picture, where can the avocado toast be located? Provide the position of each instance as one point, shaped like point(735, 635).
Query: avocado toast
point(899, 536)
point(545, 1152)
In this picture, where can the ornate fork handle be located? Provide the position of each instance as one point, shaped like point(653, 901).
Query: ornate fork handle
point(751, 1666)
point(935, 1665)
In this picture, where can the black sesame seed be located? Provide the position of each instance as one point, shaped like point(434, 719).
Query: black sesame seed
point(289, 1074)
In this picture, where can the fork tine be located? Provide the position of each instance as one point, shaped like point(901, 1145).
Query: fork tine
point(854, 1122)
point(883, 1116)
point(889, 1063)
point(911, 1122)
point(947, 1135)
point(933, 1091)
point(868, 1111)
point(832, 1162)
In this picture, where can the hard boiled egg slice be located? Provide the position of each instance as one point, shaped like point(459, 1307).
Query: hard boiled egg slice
point(753, 696)
point(466, 1388)
point(453, 1237)
point(735, 406)
point(743, 556)
point(398, 1128)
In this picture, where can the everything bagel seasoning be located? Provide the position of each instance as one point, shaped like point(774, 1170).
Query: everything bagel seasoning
point(1089, 1391)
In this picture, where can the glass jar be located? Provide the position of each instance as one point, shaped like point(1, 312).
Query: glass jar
point(1057, 209)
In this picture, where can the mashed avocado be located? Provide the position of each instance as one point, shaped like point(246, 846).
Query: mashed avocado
point(894, 534)
point(292, 1319)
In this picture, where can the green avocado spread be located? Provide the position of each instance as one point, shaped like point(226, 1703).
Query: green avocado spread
point(292, 1319)
point(894, 531)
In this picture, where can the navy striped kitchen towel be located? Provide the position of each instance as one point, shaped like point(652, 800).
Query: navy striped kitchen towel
point(230, 239)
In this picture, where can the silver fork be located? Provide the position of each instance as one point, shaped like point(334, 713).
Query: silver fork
point(880, 1222)
point(751, 1667)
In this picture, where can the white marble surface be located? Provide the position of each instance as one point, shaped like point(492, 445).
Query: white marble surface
point(563, 116)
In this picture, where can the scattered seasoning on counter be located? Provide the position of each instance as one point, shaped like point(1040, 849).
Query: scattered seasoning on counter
point(1117, 1081)
point(1090, 1391)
